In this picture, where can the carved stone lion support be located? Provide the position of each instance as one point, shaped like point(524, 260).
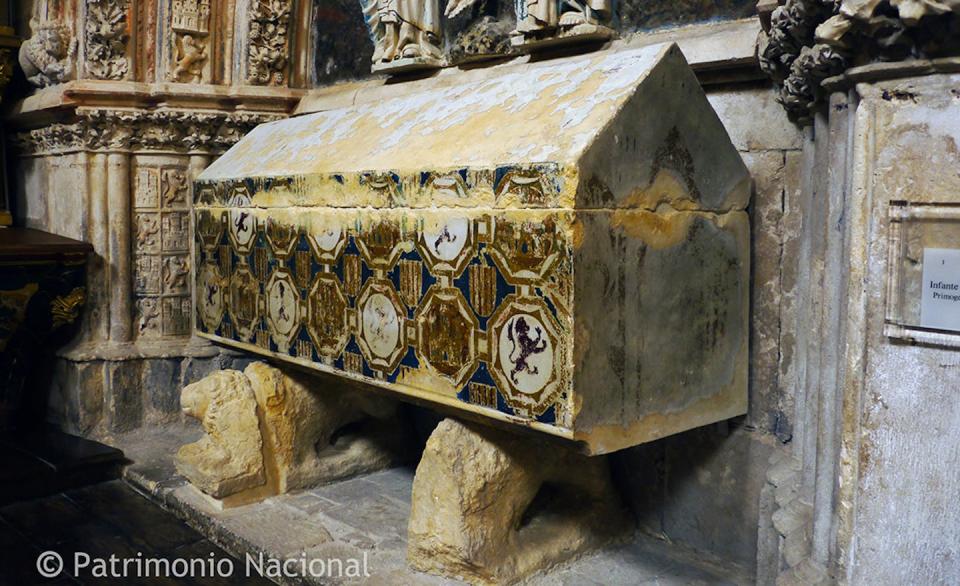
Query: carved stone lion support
point(268, 433)
point(494, 507)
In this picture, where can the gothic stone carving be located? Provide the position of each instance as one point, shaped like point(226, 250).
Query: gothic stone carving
point(472, 515)
point(161, 265)
point(405, 33)
point(106, 39)
point(175, 130)
point(190, 22)
point(47, 57)
point(807, 41)
point(268, 39)
point(243, 412)
point(550, 22)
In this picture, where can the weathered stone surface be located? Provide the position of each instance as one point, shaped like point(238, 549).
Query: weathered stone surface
point(307, 428)
point(621, 230)
point(77, 396)
point(754, 119)
point(701, 488)
point(644, 14)
point(124, 400)
point(229, 459)
point(900, 448)
point(768, 168)
point(493, 507)
point(274, 432)
point(161, 378)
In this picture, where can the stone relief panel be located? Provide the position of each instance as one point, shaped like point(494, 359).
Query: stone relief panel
point(190, 42)
point(106, 33)
point(48, 57)
point(268, 41)
point(161, 251)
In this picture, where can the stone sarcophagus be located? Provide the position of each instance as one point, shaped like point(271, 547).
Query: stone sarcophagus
point(561, 245)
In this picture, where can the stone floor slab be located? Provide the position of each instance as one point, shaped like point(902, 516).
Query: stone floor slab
point(366, 518)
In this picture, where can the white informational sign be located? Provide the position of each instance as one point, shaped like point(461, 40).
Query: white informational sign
point(940, 297)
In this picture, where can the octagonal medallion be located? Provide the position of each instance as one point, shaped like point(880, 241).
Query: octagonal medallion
point(327, 315)
point(326, 237)
point(243, 304)
point(210, 296)
point(243, 224)
point(528, 354)
point(283, 308)
point(382, 336)
point(281, 237)
point(446, 332)
point(380, 244)
point(209, 229)
point(447, 244)
point(526, 251)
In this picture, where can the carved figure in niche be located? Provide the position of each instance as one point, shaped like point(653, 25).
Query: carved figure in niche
point(403, 29)
point(537, 19)
point(545, 21)
point(191, 55)
point(190, 21)
point(174, 185)
point(47, 57)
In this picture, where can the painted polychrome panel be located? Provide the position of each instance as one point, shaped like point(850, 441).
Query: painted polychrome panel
point(461, 306)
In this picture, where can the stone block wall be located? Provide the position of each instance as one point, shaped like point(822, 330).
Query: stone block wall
point(702, 488)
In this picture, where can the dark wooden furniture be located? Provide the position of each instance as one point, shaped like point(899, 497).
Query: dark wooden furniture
point(42, 292)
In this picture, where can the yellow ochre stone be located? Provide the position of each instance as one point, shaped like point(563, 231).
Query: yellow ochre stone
point(558, 244)
point(270, 432)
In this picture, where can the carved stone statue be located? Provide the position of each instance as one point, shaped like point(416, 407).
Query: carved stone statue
point(405, 33)
point(190, 57)
point(311, 435)
point(47, 58)
point(550, 21)
point(560, 18)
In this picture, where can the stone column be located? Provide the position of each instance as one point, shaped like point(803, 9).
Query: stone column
point(129, 107)
point(118, 205)
point(881, 193)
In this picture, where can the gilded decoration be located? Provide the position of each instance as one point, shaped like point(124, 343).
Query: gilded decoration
point(463, 305)
point(498, 247)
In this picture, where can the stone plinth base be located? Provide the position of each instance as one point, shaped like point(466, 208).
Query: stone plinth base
point(407, 64)
point(268, 433)
point(493, 507)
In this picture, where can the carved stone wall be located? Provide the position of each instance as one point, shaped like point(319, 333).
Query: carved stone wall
point(232, 42)
point(105, 158)
point(808, 41)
